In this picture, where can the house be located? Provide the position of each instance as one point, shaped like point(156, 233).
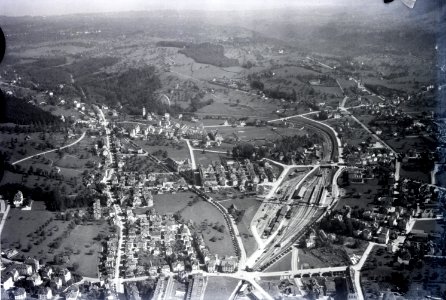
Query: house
point(13, 272)
point(179, 166)
point(367, 234)
point(404, 258)
point(310, 242)
point(211, 266)
point(18, 199)
point(35, 279)
point(383, 236)
point(165, 269)
point(56, 283)
point(24, 270)
point(65, 274)
point(72, 293)
point(228, 265)
point(132, 292)
point(178, 266)
point(34, 263)
point(19, 294)
point(7, 281)
point(153, 271)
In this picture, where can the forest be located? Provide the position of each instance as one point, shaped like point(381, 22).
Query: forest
point(20, 112)
point(207, 53)
point(133, 89)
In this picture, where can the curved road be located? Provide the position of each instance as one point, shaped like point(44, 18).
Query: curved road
point(52, 150)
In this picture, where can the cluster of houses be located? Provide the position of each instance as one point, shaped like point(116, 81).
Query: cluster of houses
point(165, 127)
point(244, 175)
point(21, 280)
point(393, 215)
point(368, 155)
point(153, 244)
point(212, 262)
point(146, 183)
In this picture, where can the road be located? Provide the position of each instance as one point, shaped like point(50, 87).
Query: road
point(192, 156)
point(52, 150)
point(293, 116)
point(295, 259)
point(4, 217)
point(357, 270)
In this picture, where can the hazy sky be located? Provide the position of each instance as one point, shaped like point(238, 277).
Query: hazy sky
point(60, 7)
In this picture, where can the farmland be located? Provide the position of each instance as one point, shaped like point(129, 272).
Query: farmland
point(38, 231)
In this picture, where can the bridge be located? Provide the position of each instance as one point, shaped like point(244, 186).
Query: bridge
point(327, 271)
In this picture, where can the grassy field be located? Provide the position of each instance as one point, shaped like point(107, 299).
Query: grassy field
point(360, 195)
point(171, 203)
point(430, 226)
point(207, 158)
point(202, 214)
point(233, 103)
point(35, 144)
point(260, 135)
point(174, 151)
point(22, 232)
point(322, 256)
point(220, 288)
point(283, 264)
point(250, 206)
point(81, 242)
point(32, 181)
point(416, 175)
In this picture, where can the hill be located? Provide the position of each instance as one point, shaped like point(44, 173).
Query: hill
point(18, 111)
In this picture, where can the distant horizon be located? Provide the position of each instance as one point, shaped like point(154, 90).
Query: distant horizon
point(49, 8)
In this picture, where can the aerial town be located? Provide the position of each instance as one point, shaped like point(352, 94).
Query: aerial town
point(225, 161)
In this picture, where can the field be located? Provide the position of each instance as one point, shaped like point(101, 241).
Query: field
point(283, 264)
point(220, 288)
point(203, 216)
point(175, 151)
point(141, 164)
point(260, 135)
point(233, 103)
point(250, 206)
point(415, 175)
point(429, 226)
point(22, 145)
point(81, 241)
point(171, 203)
point(360, 195)
point(207, 158)
point(332, 255)
point(308, 261)
point(22, 232)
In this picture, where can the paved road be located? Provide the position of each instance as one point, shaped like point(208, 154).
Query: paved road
point(191, 153)
point(52, 150)
point(293, 116)
point(5, 215)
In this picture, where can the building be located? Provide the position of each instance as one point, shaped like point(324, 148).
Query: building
point(97, 210)
point(18, 199)
point(132, 292)
point(228, 265)
point(19, 294)
point(383, 236)
point(179, 166)
point(196, 288)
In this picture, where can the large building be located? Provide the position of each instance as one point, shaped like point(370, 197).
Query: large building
point(179, 166)
point(197, 287)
